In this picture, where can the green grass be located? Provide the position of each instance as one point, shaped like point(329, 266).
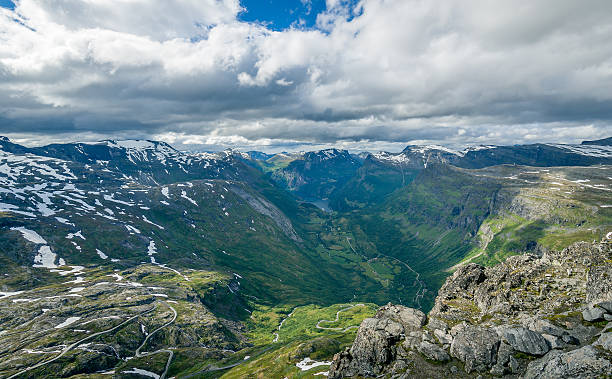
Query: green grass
point(302, 323)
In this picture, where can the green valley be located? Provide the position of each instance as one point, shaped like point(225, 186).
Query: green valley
point(130, 258)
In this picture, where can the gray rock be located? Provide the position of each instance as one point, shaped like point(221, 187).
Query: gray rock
point(398, 366)
point(608, 317)
point(605, 341)
point(435, 323)
point(525, 340)
point(426, 336)
point(413, 339)
point(409, 318)
point(443, 337)
point(554, 341)
point(372, 350)
point(581, 363)
point(607, 305)
point(593, 314)
point(433, 352)
point(506, 363)
point(570, 339)
point(599, 285)
point(546, 327)
point(476, 347)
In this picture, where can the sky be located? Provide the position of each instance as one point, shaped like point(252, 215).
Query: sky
point(289, 75)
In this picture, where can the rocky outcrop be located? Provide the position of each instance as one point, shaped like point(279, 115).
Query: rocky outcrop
point(545, 316)
point(586, 362)
point(476, 347)
point(375, 345)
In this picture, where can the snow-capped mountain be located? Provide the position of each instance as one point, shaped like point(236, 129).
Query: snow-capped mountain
point(489, 155)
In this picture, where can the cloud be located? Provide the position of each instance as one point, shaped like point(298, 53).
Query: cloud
point(374, 72)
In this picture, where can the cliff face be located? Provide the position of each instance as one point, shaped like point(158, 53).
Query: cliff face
point(532, 316)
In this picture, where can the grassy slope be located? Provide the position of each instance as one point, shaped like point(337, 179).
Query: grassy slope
point(561, 211)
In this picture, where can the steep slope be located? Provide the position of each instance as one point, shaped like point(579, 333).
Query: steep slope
point(195, 262)
point(539, 155)
point(95, 214)
point(533, 317)
point(382, 173)
point(139, 320)
point(447, 215)
point(317, 174)
point(599, 142)
point(379, 175)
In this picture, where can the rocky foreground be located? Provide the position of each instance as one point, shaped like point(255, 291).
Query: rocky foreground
point(533, 316)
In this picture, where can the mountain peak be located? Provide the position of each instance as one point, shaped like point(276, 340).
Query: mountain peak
point(600, 142)
point(137, 144)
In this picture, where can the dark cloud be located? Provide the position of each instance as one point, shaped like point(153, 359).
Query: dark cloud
point(391, 72)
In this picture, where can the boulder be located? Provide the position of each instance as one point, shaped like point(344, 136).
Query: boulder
point(413, 339)
point(372, 350)
point(409, 318)
point(605, 341)
point(546, 327)
point(593, 314)
point(476, 347)
point(506, 363)
point(581, 363)
point(442, 336)
point(570, 339)
point(433, 351)
point(607, 305)
point(554, 342)
point(525, 340)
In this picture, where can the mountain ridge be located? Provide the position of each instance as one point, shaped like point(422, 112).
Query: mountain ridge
point(214, 253)
point(485, 321)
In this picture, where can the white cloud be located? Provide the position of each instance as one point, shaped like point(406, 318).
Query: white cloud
point(157, 19)
point(388, 71)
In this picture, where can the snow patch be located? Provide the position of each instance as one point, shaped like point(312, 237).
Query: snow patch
point(4, 295)
point(307, 364)
point(30, 235)
point(69, 321)
point(165, 192)
point(101, 254)
point(184, 196)
point(142, 372)
point(45, 258)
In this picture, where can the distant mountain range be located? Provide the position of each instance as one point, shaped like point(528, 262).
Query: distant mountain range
point(233, 243)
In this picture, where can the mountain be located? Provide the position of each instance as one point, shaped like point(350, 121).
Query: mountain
point(149, 202)
point(181, 264)
point(317, 174)
point(599, 142)
point(531, 316)
point(259, 156)
point(537, 155)
point(94, 237)
point(350, 181)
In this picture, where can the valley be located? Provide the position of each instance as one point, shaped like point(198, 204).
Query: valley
point(133, 259)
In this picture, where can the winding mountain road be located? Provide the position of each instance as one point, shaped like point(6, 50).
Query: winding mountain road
point(75, 344)
point(170, 352)
point(318, 326)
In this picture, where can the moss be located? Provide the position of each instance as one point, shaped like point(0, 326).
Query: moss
point(521, 355)
point(564, 317)
point(598, 324)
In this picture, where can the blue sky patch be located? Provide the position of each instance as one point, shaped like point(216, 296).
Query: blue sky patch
point(282, 14)
point(7, 4)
